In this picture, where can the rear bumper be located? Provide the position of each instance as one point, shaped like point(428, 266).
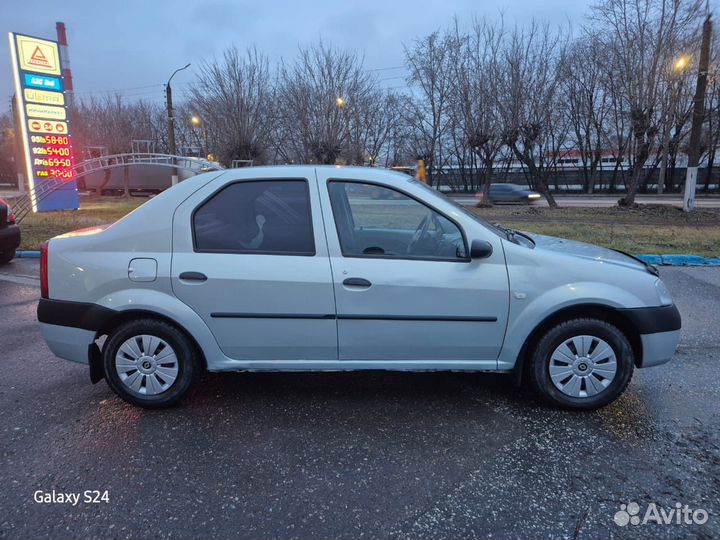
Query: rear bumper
point(70, 328)
point(67, 342)
point(81, 315)
point(9, 238)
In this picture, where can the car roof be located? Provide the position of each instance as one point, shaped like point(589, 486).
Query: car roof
point(343, 171)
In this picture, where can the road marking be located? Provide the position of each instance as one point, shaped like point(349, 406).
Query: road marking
point(21, 280)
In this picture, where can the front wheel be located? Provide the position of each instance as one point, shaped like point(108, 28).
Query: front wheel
point(150, 363)
point(582, 364)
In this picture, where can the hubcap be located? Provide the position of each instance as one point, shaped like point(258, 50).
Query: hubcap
point(583, 366)
point(146, 364)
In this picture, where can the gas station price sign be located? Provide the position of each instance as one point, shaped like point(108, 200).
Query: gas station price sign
point(44, 122)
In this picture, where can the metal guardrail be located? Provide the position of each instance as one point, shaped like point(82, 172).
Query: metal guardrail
point(192, 164)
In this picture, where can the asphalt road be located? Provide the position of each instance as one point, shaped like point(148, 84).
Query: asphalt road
point(356, 455)
point(606, 201)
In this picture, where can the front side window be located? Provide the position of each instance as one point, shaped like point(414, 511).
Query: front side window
point(269, 216)
point(375, 221)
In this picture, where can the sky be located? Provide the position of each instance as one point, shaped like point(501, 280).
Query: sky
point(131, 47)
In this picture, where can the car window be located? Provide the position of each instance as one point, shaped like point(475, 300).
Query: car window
point(269, 216)
point(375, 221)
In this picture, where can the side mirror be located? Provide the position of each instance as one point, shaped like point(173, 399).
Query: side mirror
point(480, 249)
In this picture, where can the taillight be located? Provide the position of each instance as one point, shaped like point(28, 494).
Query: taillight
point(44, 292)
point(11, 217)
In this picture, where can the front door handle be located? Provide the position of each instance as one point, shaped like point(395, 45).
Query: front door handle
point(193, 276)
point(357, 282)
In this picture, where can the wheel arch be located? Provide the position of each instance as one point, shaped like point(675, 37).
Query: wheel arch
point(128, 315)
point(602, 312)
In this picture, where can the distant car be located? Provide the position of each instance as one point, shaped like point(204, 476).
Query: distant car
point(9, 233)
point(509, 193)
point(297, 268)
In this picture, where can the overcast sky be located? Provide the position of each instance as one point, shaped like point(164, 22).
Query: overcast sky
point(129, 45)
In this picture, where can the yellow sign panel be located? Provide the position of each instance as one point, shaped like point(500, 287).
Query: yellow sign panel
point(43, 96)
point(38, 55)
point(47, 126)
point(45, 111)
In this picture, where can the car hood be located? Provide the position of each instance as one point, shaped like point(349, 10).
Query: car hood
point(587, 251)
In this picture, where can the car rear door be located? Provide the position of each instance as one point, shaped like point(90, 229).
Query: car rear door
point(423, 303)
point(250, 257)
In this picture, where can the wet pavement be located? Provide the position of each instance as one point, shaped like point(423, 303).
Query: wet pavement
point(357, 455)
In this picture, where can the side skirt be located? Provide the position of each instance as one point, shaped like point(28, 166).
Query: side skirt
point(354, 365)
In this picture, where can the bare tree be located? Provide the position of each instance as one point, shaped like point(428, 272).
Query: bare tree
point(640, 38)
point(372, 119)
point(429, 65)
point(235, 99)
point(528, 101)
point(587, 104)
point(473, 108)
point(319, 96)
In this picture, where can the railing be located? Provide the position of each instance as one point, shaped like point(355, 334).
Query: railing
point(23, 205)
point(192, 164)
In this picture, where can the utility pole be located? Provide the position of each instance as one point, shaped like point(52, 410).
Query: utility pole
point(698, 117)
point(171, 122)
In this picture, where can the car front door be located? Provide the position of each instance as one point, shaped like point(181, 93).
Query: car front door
point(250, 257)
point(405, 287)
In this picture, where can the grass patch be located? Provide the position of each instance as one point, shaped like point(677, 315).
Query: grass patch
point(636, 239)
point(645, 229)
point(36, 228)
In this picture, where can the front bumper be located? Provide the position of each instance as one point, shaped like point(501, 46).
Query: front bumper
point(9, 238)
point(658, 348)
point(659, 329)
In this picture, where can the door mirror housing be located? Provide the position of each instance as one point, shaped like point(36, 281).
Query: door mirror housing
point(480, 249)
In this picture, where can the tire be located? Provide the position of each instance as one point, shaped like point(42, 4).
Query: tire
point(145, 379)
point(7, 256)
point(581, 381)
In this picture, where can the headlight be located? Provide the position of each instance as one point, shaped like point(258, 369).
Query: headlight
point(663, 293)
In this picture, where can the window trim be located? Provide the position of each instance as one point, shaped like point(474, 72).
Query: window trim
point(207, 199)
point(395, 257)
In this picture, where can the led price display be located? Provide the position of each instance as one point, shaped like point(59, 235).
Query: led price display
point(44, 123)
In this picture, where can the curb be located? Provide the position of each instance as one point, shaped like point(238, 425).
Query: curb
point(679, 260)
point(658, 260)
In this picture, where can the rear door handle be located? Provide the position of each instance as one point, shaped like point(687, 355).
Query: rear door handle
point(193, 276)
point(357, 282)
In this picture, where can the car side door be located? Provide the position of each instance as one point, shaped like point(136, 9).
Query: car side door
point(250, 257)
point(405, 287)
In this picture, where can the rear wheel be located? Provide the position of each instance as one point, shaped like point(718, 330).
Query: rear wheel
point(582, 364)
point(150, 363)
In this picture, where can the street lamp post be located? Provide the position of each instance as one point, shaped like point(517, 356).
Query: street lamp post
point(171, 122)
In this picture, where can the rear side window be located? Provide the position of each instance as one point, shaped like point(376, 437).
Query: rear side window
point(268, 216)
